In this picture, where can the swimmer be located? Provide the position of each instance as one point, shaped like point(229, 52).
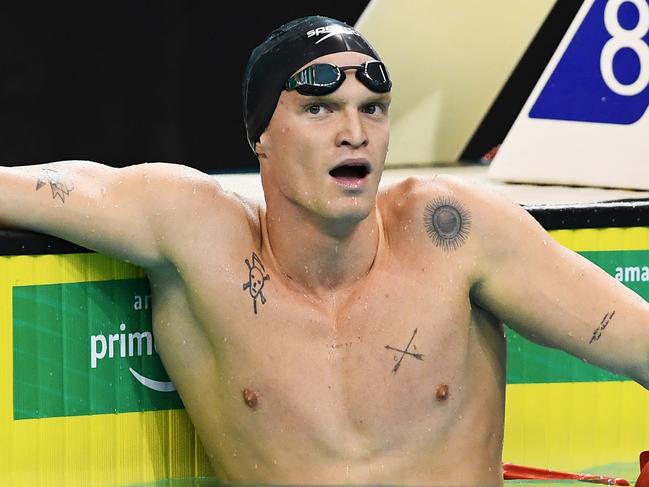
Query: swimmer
point(336, 334)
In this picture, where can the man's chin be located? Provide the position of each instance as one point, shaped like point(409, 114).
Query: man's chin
point(350, 211)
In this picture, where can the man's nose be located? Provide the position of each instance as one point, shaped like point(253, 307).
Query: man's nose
point(352, 130)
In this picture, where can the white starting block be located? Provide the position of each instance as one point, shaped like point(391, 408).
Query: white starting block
point(586, 121)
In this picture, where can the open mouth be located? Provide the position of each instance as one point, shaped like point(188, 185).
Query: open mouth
point(350, 171)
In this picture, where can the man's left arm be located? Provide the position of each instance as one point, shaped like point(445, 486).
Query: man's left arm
point(555, 297)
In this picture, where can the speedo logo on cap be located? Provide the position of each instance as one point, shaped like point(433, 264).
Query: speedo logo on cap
point(328, 31)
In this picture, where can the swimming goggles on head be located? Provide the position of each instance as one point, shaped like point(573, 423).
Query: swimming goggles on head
point(322, 79)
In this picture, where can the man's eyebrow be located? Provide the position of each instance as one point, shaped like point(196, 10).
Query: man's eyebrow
point(379, 98)
point(331, 98)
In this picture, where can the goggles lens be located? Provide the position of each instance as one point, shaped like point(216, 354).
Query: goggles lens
point(322, 79)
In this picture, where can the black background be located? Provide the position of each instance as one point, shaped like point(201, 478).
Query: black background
point(123, 82)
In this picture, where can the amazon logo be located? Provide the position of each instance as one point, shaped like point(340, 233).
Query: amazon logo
point(123, 345)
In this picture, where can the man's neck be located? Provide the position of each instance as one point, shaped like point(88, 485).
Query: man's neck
point(321, 256)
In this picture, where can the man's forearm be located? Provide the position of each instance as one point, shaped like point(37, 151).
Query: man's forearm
point(30, 193)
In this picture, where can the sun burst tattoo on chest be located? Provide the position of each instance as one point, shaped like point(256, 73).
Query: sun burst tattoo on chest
point(447, 223)
point(57, 185)
point(257, 276)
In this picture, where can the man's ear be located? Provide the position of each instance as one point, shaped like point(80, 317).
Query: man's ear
point(261, 146)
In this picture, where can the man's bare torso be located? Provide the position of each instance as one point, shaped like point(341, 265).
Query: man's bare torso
point(397, 379)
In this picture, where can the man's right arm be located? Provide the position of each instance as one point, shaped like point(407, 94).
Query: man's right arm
point(122, 212)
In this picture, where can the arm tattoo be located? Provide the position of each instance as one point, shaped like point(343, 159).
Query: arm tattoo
point(603, 324)
point(418, 356)
point(447, 223)
point(59, 188)
point(256, 278)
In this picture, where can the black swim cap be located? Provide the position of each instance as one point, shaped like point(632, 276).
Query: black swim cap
point(286, 49)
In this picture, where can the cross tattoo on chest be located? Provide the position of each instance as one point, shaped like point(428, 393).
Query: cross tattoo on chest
point(418, 356)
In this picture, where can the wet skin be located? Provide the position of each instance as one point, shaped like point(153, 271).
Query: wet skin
point(366, 360)
point(305, 390)
point(335, 334)
point(374, 354)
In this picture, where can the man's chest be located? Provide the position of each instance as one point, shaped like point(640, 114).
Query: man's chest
point(395, 357)
point(392, 307)
point(388, 343)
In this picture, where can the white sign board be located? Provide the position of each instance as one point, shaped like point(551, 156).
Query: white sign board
point(586, 121)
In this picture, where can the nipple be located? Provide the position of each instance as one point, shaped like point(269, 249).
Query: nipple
point(441, 394)
point(250, 398)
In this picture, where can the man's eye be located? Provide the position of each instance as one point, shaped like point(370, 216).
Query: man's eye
point(374, 108)
point(371, 109)
point(315, 109)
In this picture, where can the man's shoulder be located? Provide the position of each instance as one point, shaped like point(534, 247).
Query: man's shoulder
point(405, 207)
point(413, 192)
point(185, 183)
point(451, 212)
point(167, 174)
point(191, 199)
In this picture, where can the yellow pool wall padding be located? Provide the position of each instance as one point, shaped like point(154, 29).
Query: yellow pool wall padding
point(86, 451)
